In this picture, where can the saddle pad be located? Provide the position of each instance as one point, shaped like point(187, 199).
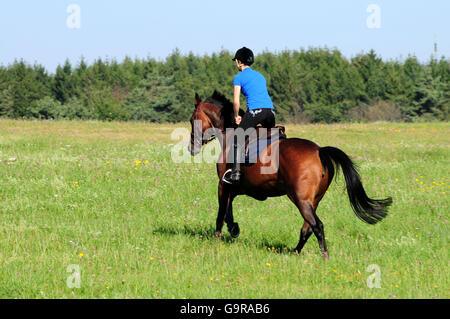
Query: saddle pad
point(255, 148)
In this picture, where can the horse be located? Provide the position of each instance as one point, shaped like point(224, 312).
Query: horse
point(304, 172)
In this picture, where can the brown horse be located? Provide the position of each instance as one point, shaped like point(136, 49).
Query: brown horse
point(304, 172)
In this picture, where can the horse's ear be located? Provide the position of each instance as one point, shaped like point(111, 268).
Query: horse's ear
point(197, 99)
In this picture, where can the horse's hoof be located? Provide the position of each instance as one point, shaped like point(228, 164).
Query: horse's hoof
point(325, 255)
point(218, 234)
point(235, 231)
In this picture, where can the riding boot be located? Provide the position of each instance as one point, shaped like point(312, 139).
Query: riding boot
point(232, 176)
point(236, 172)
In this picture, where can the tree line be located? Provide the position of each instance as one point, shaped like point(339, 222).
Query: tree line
point(313, 85)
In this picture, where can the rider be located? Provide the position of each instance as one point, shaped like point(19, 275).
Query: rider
point(260, 108)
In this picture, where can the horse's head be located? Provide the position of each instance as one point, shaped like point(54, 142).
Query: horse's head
point(201, 121)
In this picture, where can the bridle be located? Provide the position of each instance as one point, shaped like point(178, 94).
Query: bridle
point(211, 125)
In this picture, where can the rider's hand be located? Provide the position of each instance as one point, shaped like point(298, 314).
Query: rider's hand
point(238, 119)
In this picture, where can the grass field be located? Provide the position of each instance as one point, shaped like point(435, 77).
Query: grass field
point(107, 198)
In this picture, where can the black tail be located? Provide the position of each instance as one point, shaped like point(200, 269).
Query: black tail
point(369, 210)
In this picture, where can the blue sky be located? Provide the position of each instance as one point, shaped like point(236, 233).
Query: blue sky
point(37, 30)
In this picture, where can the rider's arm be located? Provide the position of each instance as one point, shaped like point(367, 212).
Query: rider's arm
point(237, 100)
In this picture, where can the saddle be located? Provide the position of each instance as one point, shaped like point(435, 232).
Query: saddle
point(261, 138)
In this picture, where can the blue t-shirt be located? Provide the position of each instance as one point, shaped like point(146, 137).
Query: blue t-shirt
point(254, 87)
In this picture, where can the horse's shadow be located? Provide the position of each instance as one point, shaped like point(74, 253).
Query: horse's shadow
point(206, 233)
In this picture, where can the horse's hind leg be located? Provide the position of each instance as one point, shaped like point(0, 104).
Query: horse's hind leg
point(304, 235)
point(310, 217)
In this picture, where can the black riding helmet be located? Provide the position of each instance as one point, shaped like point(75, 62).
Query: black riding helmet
point(245, 55)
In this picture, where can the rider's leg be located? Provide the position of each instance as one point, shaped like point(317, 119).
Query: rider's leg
point(237, 154)
point(250, 119)
point(233, 175)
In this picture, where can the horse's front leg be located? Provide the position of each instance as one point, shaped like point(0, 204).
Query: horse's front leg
point(226, 196)
point(225, 213)
point(233, 227)
point(223, 195)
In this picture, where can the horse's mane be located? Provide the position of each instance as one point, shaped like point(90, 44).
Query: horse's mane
point(226, 108)
point(220, 100)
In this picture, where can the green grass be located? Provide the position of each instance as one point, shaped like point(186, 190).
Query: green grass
point(73, 193)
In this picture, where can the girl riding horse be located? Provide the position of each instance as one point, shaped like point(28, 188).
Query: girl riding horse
point(303, 172)
point(260, 108)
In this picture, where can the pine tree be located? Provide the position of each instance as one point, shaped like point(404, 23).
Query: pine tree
point(153, 100)
point(62, 86)
point(431, 96)
point(7, 103)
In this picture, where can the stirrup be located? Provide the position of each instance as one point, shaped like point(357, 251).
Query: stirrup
point(230, 178)
point(227, 179)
